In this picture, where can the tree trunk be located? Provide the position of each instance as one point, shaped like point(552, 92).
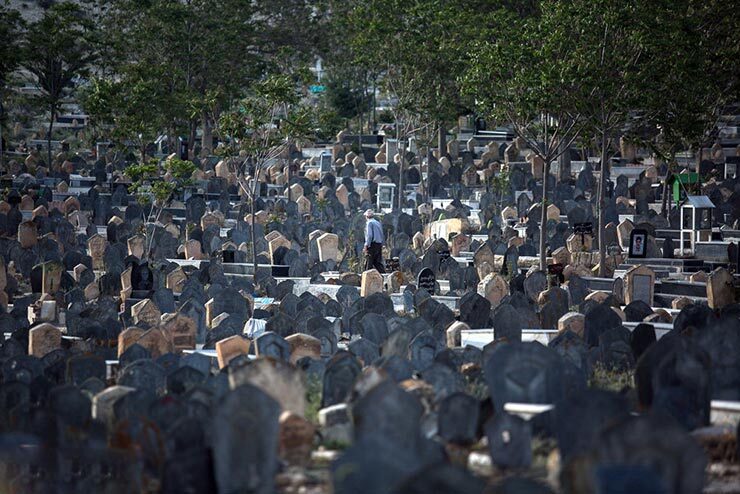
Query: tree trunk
point(207, 138)
point(442, 140)
point(191, 138)
point(664, 202)
point(289, 177)
point(602, 206)
point(253, 234)
point(698, 157)
point(52, 113)
point(375, 121)
point(401, 153)
point(2, 148)
point(359, 138)
point(543, 217)
point(564, 165)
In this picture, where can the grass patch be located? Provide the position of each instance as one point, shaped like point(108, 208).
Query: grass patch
point(610, 379)
point(313, 399)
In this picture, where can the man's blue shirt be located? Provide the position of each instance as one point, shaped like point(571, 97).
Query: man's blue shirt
point(373, 232)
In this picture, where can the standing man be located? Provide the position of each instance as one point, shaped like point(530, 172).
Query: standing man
point(374, 241)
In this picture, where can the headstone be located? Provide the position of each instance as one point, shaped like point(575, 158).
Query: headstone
point(328, 245)
point(229, 348)
point(494, 288)
point(181, 331)
point(507, 323)
point(372, 282)
point(43, 339)
point(276, 377)
point(426, 280)
point(720, 290)
point(475, 310)
point(509, 441)
point(457, 418)
point(639, 284)
point(245, 432)
point(339, 378)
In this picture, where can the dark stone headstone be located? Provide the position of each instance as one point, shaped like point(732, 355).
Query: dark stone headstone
point(475, 310)
point(524, 373)
point(597, 321)
point(507, 323)
point(82, 367)
point(535, 283)
point(578, 289)
point(426, 280)
point(509, 441)
point(272, 345)
point(339, 378)
point(656, 443)
point(457, 418)
point(245, 432)
point(143, 374)
point(422, 350)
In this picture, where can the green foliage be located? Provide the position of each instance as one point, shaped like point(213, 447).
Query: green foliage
point(272, 116)
point(694, 56)
point(520, 74)
point(123, 108)
point(477, 388)
point(141, 172)
point(500, 182)
point(181, 170)
point(417, 47)
point(347, 91)
point(146, 182)
point(328, 124)
point(385, 116)
point(610, 379)
point(11, 29)
point(313, 399)
point(58, 48)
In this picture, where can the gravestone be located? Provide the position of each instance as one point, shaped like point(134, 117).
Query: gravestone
point(372, 282)
point(475, 310)
point(339, 377)
point(509, 441)
point(523, 373)
point(43, 339)
point(720, 290)
point(657, 444)
point(534, 283)
point(639, 284)
point(245, 432)
point(507, 323)
point(457, 418)
point(426, 280)
point(494, 288)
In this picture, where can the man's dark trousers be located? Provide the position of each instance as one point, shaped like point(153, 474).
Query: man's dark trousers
point(374, 257)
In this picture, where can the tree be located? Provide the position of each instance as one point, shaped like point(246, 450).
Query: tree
point(156, 191)
point(519, 76)
point(11, 29)
point(608, 55)
point(261, 129)
point(347, 92)
point(694, 58)
point(418, 48)
point(58, 50)
point(122, 108)
point(198, 56)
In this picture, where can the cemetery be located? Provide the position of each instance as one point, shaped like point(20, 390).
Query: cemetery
point(191, 305)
